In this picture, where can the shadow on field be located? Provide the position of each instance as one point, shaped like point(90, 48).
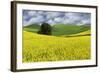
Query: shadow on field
point(78, 35)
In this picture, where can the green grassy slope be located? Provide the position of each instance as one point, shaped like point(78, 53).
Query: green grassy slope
point(59, 29)
point(62, 29)
point(32, 28)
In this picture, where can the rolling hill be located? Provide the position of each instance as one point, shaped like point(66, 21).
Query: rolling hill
point(32, 28)
point(59, 29)
point(40, 48)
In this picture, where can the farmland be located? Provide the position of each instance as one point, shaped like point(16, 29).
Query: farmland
point(64, 44)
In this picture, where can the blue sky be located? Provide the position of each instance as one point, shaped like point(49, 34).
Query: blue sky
point(53, 17)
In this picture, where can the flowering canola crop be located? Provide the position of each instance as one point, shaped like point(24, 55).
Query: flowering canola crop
point(40, 48)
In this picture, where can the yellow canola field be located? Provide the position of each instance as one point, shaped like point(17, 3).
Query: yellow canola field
point(40, 48)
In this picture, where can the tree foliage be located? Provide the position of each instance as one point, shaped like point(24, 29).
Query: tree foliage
point(45, 28)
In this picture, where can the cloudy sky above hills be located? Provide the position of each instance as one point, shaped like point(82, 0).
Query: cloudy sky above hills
point(51, 17)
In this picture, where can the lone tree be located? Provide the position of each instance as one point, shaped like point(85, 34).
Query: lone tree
point(45, 28)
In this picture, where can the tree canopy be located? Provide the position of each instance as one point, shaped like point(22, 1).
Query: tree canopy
point(45, 28)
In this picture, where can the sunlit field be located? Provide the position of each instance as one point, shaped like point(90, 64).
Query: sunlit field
point(38, 48)
point(56, 36)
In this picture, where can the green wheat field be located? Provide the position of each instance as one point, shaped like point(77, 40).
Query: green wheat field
point(67, 42)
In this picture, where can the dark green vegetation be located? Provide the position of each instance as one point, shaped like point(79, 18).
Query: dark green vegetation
point(60, 29)
point(45, 28)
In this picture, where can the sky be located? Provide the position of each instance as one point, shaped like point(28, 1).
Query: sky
point(52, 17)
